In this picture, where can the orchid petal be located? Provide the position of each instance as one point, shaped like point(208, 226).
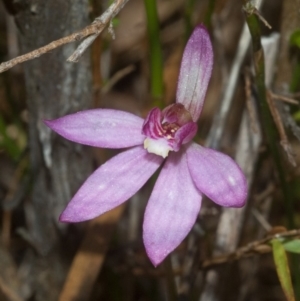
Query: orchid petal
point(217, 176)
point(195, 72)
point(100, 127)
point(111, 184)
point(176, 113)
point(152, 124)
point(186, 133)
point(172, 209)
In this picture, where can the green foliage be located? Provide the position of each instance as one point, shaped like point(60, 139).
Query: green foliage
point(296, 116)
point(8, 143)
point(155, 52)
point(282, 268)
point(295, 54)
point(295, 38)
point(189, 8)
point(115, 22)
point(292, 246)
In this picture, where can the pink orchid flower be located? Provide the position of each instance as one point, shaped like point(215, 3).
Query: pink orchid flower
point(164, 137)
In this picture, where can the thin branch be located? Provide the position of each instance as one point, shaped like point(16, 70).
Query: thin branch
point(77, 36)
point(105, 18)
point(280, 127)
point(74, 58)
point(261, 217)
point(90, 32)
point(116, 77)
point(256, 247)
point(284, 98)
point(251, 9)
point(249, 102)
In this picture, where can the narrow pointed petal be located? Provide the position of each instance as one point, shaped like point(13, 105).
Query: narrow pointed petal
point(195, 71)
point(217, 176)
point(172, 209)
point(100, 127)
point(111, 184)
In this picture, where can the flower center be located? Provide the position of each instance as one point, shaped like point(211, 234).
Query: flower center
point(167, 130)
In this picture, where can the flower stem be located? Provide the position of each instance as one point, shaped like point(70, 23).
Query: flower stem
point(156, 67)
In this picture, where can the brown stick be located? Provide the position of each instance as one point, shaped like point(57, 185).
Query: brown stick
point(280, 127)
point(90, 257)
point(256, 247)
point(93, 29)
point(284, 98)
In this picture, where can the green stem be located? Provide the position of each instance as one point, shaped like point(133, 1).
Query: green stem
point(210, 10)
point(156, 68)
point(294, 86)
point(269, 126)
point(189, 8)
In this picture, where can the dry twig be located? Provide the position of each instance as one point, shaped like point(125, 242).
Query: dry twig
point(116, 77)
point(256, 247)
point(249, 102)
point(280, 127)
point(89, 33)
point(284, 98)
point(250, 8)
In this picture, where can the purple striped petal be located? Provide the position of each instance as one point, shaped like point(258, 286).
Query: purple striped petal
point(100, 127)
point(195, 71)
point(217, 176)
point(152, 125)
point(185, 134)
point(172, 209)
point(111, 184)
